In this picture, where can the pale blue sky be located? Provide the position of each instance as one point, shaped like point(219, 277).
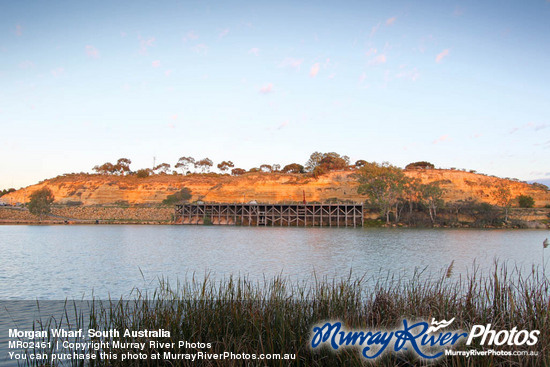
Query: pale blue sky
point(459, 84)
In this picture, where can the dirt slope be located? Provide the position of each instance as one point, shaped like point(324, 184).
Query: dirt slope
point(262, 187)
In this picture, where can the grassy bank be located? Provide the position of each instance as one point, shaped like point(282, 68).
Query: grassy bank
point(277, 315)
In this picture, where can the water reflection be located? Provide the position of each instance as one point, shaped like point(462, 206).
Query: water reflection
point(56, 262)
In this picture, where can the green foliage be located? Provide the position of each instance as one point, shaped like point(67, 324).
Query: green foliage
point(383, 184)
point(326, 162)
point(225, 166)
point(293, 168)
point(6, 191)
point(179, 197)
point(525, 201)
point(207, 221)
point(40, 202)
point(420, 165)
point(143, 173)
point(238, 171)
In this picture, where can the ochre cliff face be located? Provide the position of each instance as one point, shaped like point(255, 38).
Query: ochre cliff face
point(262, 187)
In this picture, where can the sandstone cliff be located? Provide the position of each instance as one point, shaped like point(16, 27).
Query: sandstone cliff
point(262, 187)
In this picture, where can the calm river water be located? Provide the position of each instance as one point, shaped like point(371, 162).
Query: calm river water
point(58, 262)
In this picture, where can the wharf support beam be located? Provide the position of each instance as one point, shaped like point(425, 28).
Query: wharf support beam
point(285, 215)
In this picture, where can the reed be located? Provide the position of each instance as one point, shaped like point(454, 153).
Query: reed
point(276, 315)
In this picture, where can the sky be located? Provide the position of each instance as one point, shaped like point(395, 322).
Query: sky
point(462, 84)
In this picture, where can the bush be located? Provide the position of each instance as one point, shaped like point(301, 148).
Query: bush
point(142, 173)
point(179, 197)
point(525, 201)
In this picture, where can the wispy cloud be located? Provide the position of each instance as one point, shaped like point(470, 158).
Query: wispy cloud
point(441, 139)
point(291, 62)
point(377, 60)
point(314, 70)
point(18, 30)
point(91, 51)
point(362, 77)
point(268, 88)
point(410, 74)
point(190, 36)
point(391, 20)
point(200, 49)
point(57, 72)
point(144, 44)
point(374, 30)
point(371, 51)
point(26, 64)
point(168, 72)
point(283, 125)
point(440, 56)
point(529, 126)
point(224, 33)
point(254, 51)
point(155, 63)
point(460, 11)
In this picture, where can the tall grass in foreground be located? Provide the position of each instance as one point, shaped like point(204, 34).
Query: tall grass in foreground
point(277, 315)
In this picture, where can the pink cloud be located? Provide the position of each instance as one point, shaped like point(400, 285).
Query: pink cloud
point(442, 55)
point(391, 20)
point(314, 70)
point(144, 44)
point(268, 88)
point(291, 62)
point(57, 72)
point(441, 139)
point(282, 125)
point(200, 49)
point(408, 74)
point(255, 51)
point(92, 52)
point(362, 77)
point(155, 63)
point(26, 64)
point(380, 59)
point(371, 51)
point(191, 35)
point(374, 30)
point(168, 72)
point(224, 32)
point(18, 30)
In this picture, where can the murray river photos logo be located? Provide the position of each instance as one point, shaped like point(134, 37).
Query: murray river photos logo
point(428, 341)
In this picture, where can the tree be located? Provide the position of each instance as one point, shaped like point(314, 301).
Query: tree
point(503, 198)
point(431, 195)
point(525, 201)
point(360, 163)
point(181, 196)
point(162, 168)
point(383, 184)
point(40, 202)
point(144, 172)
point(276, 167)
point(238, 171)
point(105, 169)
point(6, 191)
point(420, 165)
point(293, 168)
point(327, 161)
point(204, 165)
point(122, 166)
point(185, 163)
point(225, 166)
point(266, 168)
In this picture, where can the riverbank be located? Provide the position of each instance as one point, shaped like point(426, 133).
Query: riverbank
point(532, 218)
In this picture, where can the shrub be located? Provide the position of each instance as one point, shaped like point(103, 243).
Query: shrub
point(179, 197)
point(144, 172)
point(525, 201)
